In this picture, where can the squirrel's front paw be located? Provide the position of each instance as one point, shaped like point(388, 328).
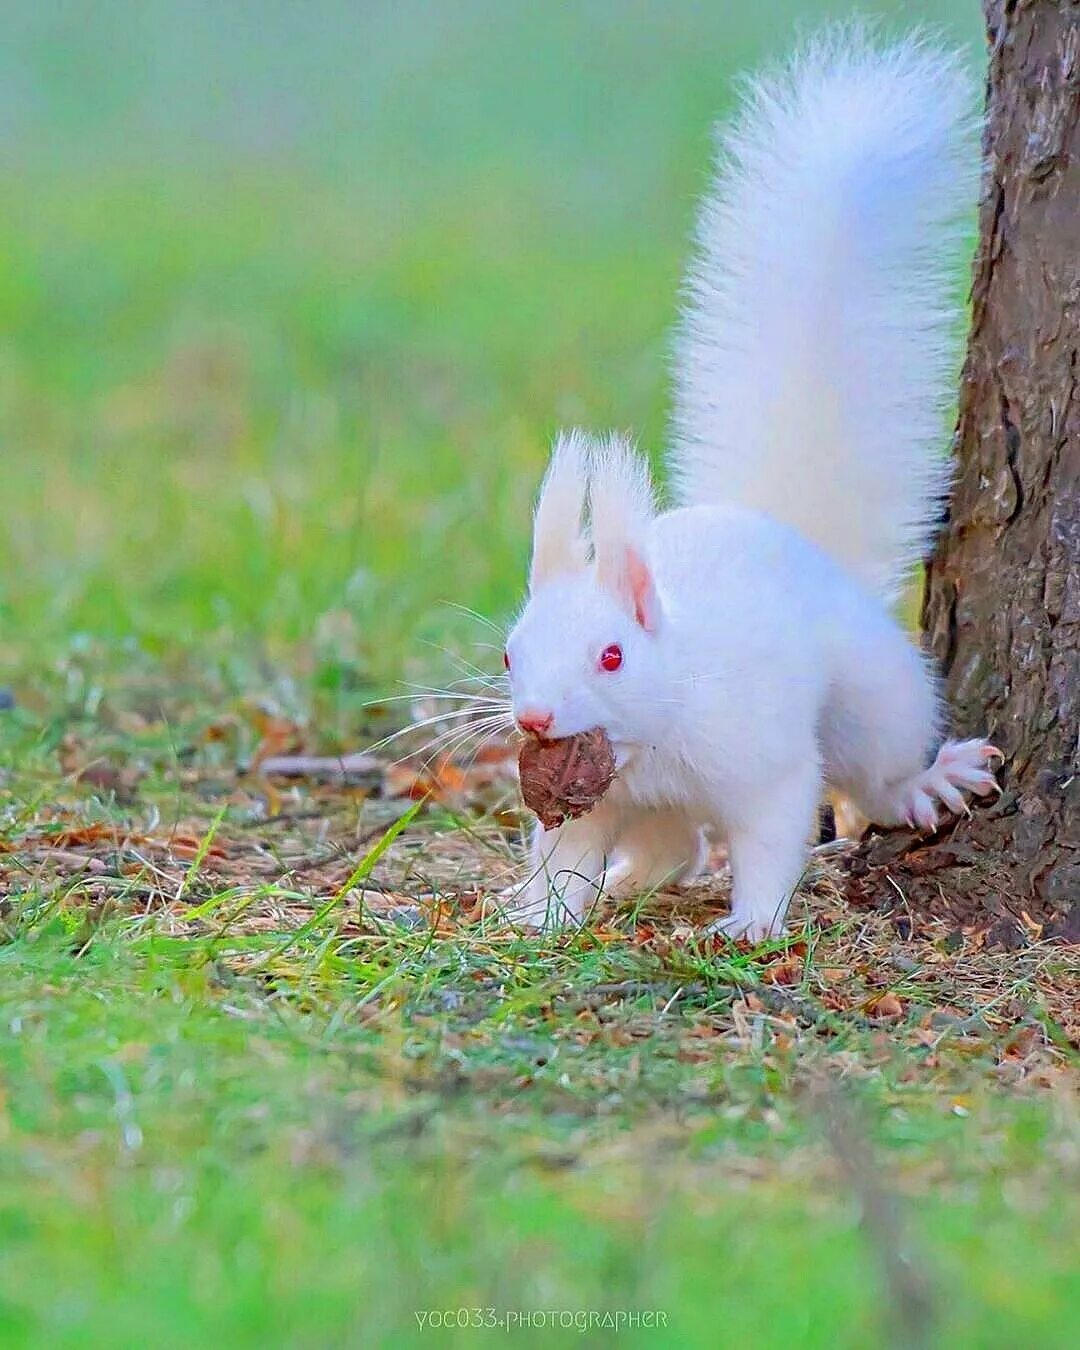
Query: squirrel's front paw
point(534, 906)
point(746, 927)
point(625, 882)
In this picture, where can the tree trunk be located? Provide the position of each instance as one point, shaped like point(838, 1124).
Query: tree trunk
point(1002, 605)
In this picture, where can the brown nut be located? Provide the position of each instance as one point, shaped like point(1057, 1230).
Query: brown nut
point(563, 779)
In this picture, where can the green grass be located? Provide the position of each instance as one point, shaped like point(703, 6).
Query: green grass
point(292, 305)
point(309, 1130)
point(199, 1155)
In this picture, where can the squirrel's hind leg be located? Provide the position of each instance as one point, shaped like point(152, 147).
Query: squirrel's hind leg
point(915, 800)
point(656, 847)
point(879, 731)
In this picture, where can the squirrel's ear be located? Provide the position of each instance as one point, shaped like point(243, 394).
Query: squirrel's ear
point(630, 581)
point(558, 542)
point(621, 508)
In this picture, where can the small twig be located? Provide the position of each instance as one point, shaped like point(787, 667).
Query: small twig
point(326, 768)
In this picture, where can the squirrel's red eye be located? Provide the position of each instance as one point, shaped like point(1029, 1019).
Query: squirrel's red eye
point(611, 657)
point(506, 660)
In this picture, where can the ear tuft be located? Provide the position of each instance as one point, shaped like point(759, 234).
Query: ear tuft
point(621, 508)
point(558, 542)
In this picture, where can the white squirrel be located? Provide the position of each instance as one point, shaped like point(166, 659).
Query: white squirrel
point(739, 649)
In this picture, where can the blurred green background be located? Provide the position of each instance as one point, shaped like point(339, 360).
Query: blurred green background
point(293, 297)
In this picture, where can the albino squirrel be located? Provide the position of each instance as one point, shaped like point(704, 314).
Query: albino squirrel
point(739, 649)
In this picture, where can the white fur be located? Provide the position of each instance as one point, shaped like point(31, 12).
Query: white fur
point(621, 501)
point(817, 351)
point(759, 661)
point(558, 543)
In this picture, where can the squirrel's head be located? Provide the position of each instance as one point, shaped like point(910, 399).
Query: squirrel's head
point(585, 651)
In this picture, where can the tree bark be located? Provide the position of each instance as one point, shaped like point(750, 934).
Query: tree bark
point(1001, 609)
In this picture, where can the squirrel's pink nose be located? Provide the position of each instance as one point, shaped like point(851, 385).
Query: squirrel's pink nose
point(535, 723)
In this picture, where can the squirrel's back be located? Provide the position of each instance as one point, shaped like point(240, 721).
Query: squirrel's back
point(817, 354)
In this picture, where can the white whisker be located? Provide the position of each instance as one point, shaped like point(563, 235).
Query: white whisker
point(472, 614)
point(433, 693)
point(449, 744)
point(466, 667)
point(454, 690)
point(456, 716)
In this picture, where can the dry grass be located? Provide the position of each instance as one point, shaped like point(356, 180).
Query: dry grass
point(292, 863)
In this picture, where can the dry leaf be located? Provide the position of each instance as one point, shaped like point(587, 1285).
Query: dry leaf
point(787, 971)
point(885, 1007)
point(443, 781)
point(277, 735)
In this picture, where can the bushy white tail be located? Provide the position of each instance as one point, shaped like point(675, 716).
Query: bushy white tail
point(817, 352)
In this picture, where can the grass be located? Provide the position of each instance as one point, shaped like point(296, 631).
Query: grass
point(263, 1049)
point(209, 1153)
point(290, 314)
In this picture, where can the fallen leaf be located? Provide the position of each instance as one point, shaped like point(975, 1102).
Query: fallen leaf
point(443, 781)
point(277, 735)
point(705, 1031)
point(105, 777)
point(787, 971)
point(886, 1007)
point(80, 838)
point(1021, 1041)
point(694, 1054)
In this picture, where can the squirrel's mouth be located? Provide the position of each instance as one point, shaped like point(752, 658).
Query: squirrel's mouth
point(536, 737)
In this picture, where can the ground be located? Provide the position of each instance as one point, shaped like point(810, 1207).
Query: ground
point(264, 1043)
point(270, 1072)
